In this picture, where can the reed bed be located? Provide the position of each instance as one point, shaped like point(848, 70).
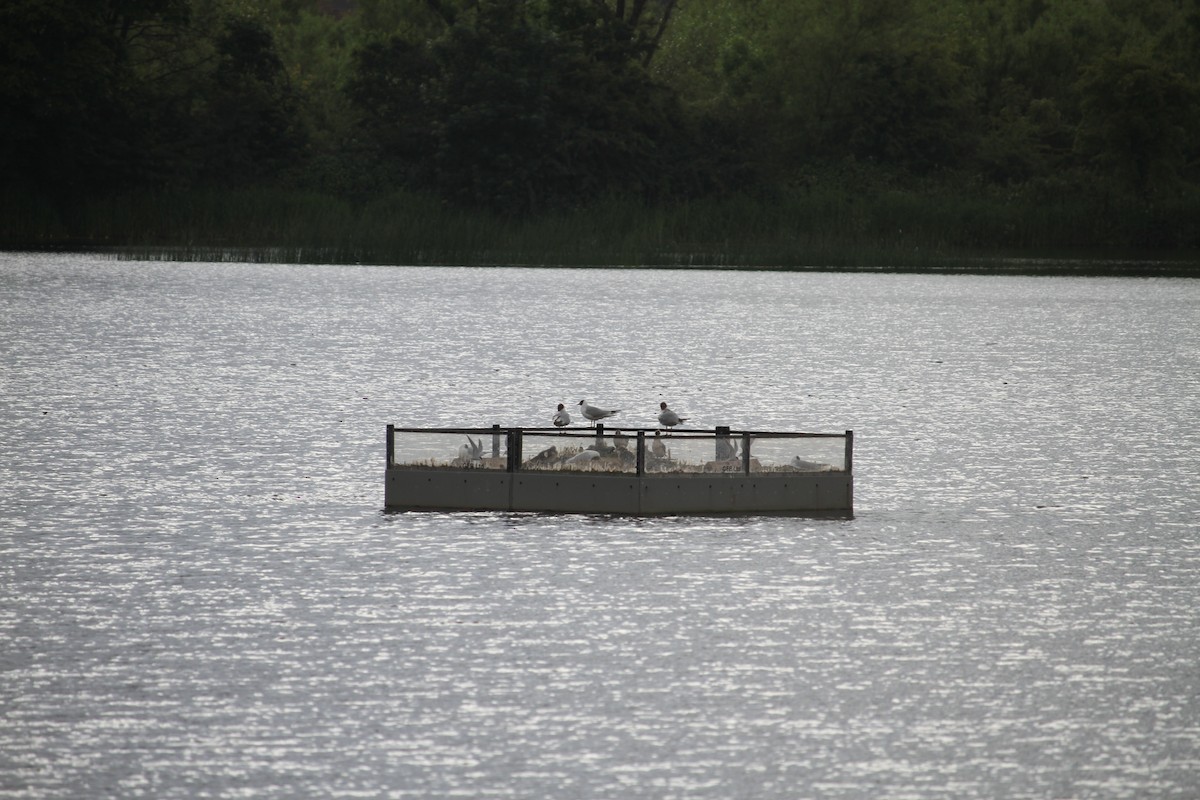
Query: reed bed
point(825, 227)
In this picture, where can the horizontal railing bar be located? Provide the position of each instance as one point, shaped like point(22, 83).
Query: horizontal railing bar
point(691, 433)
point(398, 429)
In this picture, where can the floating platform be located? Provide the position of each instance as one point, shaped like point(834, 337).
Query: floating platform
point(642, 472)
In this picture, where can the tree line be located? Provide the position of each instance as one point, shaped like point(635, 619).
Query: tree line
point(522, 107)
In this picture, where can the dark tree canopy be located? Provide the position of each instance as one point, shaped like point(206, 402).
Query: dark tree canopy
point(527, 106)
point(102, 95)
point(520, 107)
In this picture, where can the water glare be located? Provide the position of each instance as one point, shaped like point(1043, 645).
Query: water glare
point(201, 595)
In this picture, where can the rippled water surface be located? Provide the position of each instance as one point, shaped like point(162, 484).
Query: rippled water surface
point(200, 594)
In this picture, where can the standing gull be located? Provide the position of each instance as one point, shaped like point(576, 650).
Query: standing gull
point(668, 417)
point(593, 414)
point(562, 419)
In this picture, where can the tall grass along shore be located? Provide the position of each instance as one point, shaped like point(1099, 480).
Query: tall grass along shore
point(826, 228)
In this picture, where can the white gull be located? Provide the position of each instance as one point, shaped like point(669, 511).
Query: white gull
point(562, 418)
point(593, 414)
point(668, 417)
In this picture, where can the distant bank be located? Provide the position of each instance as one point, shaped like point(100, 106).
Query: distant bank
point(817, 228)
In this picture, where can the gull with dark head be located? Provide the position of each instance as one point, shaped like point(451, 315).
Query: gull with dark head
point(593, 414)
point(562, 419)
point(669, 418)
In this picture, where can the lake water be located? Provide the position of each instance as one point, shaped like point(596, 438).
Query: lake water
point(200, 594)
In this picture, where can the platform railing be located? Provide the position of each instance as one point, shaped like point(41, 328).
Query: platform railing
point(632, 451)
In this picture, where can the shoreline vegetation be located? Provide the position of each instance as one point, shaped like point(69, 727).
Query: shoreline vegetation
point(810, 229)
point(1016, 135)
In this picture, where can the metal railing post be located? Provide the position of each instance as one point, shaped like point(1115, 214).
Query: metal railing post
point(495, 441)
point(721, 453)
point(391, 445)
point(849, 451)
point(641, 453)
point(745, 453)
point(514, 451)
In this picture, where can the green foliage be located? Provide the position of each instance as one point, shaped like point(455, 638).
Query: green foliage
point(1138, 120)
point(65, 79)
point(1040, 118)
point(247, 129)
point(521, 107)
point(139, 93)
point(388, 89)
